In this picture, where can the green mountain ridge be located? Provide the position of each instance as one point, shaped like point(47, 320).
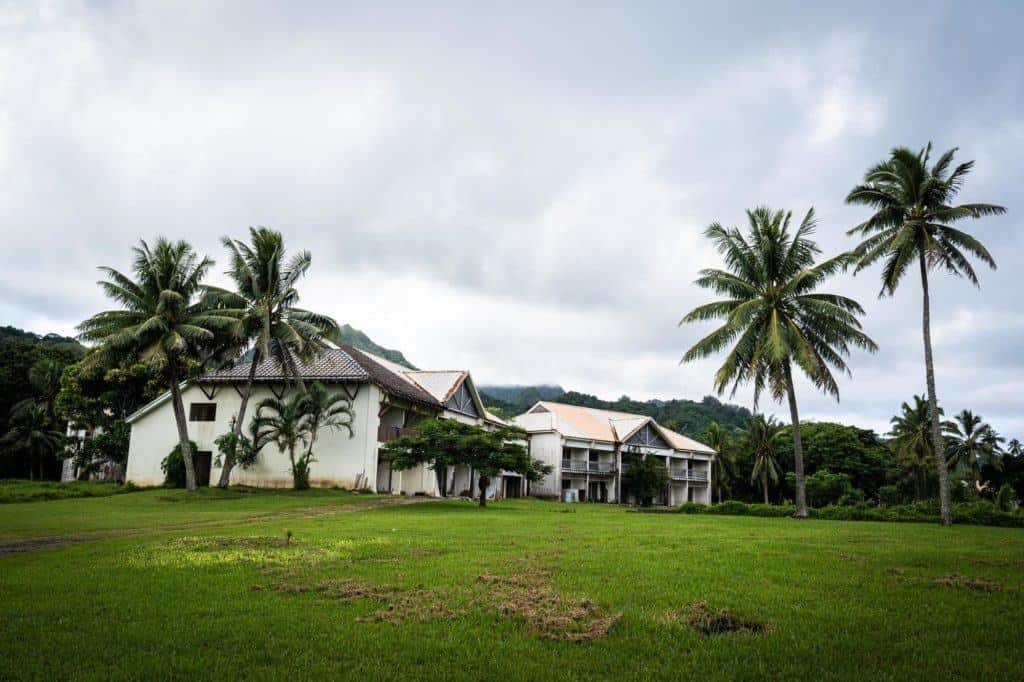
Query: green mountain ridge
point(358, 339)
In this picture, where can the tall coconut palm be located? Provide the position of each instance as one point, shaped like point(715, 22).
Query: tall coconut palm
point(326, 410)
point(284, 423)
point(270, 323)
point(912, 442)
point(913, 221)
point(762, 437)
point(1014, 448)
point(723, 469)
point(33, 432)
point(161, 322)
point(774, 317)
point(973, 444)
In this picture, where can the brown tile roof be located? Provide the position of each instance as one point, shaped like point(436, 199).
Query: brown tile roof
point(336, 365)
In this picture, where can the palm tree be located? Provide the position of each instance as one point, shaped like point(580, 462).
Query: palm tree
point(33, 433)
point(723, 469)
point(1014, 448)
point(762, 436)
point(326, 410)
point(284, 423)
point(913, 220)
point(270, 322)
point(974, 443)
point(774, 318)
point(160, 322)
point(912, 442)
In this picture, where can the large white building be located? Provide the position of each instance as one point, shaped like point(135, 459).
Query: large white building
point(585, 447)
point(386, 398)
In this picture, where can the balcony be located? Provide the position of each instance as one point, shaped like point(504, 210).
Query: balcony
point(574, 467)
point(389, 433)
point(691, 475)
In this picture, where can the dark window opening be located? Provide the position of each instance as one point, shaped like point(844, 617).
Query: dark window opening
point(202, 412)
point(566, 483)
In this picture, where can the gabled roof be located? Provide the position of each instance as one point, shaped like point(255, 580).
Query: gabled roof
point(589, 423)
point(442, 384)
point(344, 364)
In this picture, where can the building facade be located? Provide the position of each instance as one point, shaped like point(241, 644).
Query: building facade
point(387, 399)
point(585, 448)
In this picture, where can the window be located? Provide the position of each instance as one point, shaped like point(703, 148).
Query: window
point(202, 412)
point(566, 484)
point(593, 458)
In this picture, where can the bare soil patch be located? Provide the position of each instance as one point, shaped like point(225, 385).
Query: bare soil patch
point(709, 621)
point(958, 580)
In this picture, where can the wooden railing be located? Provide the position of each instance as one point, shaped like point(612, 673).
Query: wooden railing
point(389, 433)
point(691, 475)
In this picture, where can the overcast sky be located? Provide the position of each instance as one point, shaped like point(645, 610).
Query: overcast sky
point(523, 192)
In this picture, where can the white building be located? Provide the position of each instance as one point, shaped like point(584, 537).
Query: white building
point(585, 447)
point(387, 399)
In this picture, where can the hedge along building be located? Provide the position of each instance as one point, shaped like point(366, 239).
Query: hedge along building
point(386, 399)
point(585, 447)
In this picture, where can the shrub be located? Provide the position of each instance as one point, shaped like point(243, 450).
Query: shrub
point(978, 513)
point(174, 467)
point(1004, 498)
point(888, 495)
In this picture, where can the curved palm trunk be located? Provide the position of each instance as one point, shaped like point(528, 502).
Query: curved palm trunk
point(798, 449)
point(186, 448)
point(229, 462)
point(938, 446)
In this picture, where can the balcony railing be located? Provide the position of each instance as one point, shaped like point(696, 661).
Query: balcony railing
point(587, 467)
point(691, 475)
point(389, 433)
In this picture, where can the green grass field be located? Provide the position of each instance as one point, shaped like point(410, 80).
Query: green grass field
point(160, 584)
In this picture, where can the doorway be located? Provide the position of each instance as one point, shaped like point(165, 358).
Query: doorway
point(513, 485)
point(202, 461)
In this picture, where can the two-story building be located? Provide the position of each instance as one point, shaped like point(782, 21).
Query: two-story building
point(585, 447)
point(386, 398)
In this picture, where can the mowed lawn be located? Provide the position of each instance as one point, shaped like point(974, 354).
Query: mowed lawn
point(210, 587)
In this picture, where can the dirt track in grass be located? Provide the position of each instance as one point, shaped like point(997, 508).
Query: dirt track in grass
point(33, 544)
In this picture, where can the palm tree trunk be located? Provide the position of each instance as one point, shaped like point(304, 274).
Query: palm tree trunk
point(764, 485)
point(798, 448)
point(229, 462)
point(186, 448)
point(483, 482)
point(938, 445)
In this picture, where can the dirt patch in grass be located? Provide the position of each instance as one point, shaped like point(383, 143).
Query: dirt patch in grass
point(522, 590)
point(33, 544)
point(709, 621)
point(997, 563)
point(958, 580)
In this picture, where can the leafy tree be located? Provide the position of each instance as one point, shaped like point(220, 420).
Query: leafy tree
point(762, 436)
point(825, 487)
point(913, 221)
point(441, 443)
point(1004, 498)
point(723, 469)
point(774, 317)
point(110, 445)
point(269, 320)
point(840, 449)
point(32, 432)
point(644, 476)
point(973, 444)
point(173, 466)
point(161, 323)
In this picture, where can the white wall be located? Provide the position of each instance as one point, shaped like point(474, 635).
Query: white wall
point(547, 447)
point(341, 460)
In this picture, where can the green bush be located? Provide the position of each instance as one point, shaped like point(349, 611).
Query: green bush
point(174, 467)
point(977, 513)
point(888, 495)
point(1004, 498)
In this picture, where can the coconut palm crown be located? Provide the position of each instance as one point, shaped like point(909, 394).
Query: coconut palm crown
point(774, 317)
